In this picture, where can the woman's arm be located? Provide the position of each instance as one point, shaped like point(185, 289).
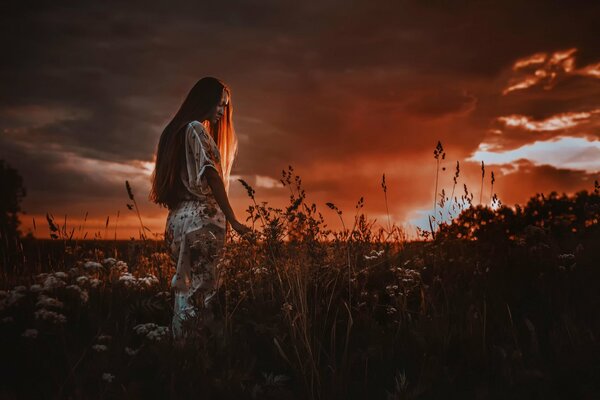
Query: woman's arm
point(218, 189)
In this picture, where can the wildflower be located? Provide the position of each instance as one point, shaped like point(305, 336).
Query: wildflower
point(35, 288)
point(60, 275)
point(158, 334)
point(50, 316)
point(259, 270)
point(131, 352)
point(108, 377)
point(30, 334)
point(94, 282)
point(391, 310)
point(99, 348)
point(143, 329)
point(20, 289)
point(148, 280)
point(287, 307)
point(52, 282)
point(73, 271)
point(152, 331)
point(45, 301)
point(92, 265)
point(128, 279)
point(566, 257)
point(121, 266)
point(82, 280)
point(374, 254)
point(109, 262)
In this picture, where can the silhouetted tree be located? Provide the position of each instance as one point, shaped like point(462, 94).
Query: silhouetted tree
point(11, 194)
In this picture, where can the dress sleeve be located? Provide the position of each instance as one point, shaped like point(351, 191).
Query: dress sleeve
point(200, 155)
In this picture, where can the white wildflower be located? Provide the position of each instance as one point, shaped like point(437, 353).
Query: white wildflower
point(131, 352)
point(108, 377)
point(152, 331)
point(260, 270)
point(121, 266)
point(95, 282)
point(159, 333)
point(374, 254)
point(20, 289)
point(46, 301)
point(128, 280)
point(60, 275)
point(149, 280)
point(566, 257)
point(82, 280)
point(99, 348)
point(30, 333)
point(143, 329)
point(50, 316)
point(36, 288)
point(109, 262)
point(92, 265)
point(52, 282)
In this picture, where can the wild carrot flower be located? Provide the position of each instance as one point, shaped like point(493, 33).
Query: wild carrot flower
point(108, 377)
point(50, 316)
point(131, 352)
point(95, 282)
point(99, 348)
point(92, 265)
point(52, 282)
point(35, 288)
point(45, 301)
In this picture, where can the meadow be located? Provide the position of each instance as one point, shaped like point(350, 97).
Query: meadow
point(499, 303)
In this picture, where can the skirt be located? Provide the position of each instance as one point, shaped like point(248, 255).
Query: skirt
point(195, 235)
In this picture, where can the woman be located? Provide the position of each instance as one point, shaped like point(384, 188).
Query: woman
point(191, 178)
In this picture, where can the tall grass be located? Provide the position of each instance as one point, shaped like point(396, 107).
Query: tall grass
point(496, 305)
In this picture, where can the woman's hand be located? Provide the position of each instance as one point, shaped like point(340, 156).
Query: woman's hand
point(240, 228)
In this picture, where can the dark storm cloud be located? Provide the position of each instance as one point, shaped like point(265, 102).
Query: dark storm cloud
point(312, 83)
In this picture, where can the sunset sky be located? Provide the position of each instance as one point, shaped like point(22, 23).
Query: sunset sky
point(343, 91)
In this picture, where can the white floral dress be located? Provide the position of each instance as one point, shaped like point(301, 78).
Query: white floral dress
point(195, 231)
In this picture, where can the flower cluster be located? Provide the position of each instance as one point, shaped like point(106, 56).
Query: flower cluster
point(152, 331)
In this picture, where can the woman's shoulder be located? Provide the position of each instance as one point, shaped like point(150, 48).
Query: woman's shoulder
point(197, 126)
point(199, 129)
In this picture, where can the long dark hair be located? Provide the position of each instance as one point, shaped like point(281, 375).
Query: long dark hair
point(167, 186)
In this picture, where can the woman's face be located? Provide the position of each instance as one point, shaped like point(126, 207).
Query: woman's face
point(217, 112)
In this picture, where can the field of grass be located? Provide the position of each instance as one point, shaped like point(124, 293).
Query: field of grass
point(500, 304)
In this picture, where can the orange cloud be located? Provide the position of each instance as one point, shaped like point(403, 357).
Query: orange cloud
point(544, 69)
point(553, 123)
